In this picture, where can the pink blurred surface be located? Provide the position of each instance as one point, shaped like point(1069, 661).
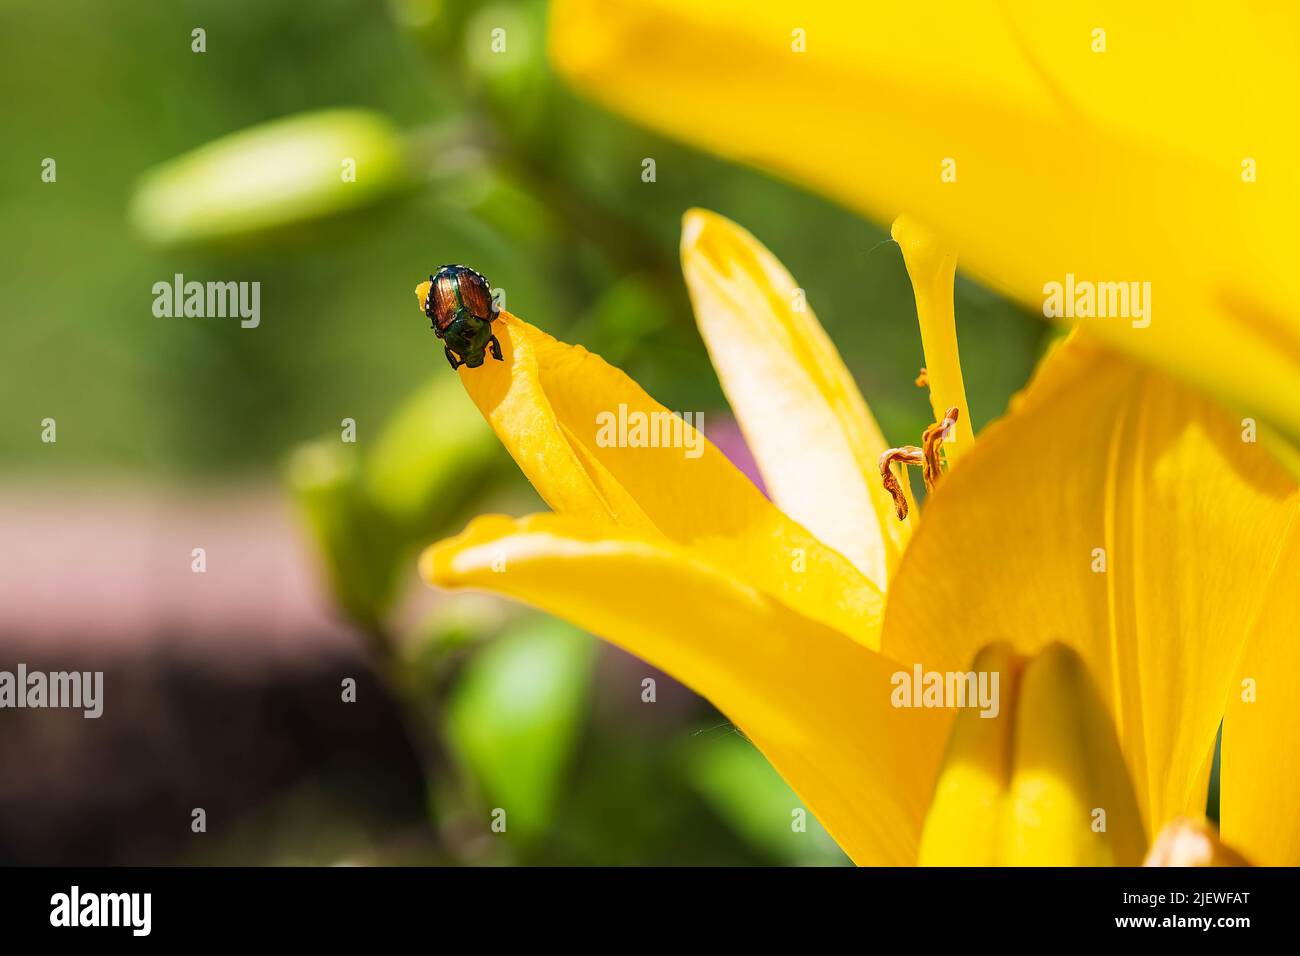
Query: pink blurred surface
point(114, 567)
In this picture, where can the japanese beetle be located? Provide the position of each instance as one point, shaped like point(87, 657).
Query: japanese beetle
point(458, 302)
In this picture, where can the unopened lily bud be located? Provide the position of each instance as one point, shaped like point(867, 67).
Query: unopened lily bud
point(271, 176)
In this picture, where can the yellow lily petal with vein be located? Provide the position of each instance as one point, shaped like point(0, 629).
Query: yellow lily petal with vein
point(1149, 152)
point(816, 703)
point(545, 401)
point(1121, 514)
point(1259, 777)
point(801, 412)
point(1040, 783)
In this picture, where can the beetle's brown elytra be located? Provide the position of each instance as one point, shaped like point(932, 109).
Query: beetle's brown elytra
point(458, 302)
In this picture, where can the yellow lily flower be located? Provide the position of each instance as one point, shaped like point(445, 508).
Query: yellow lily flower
point(1051, 144)
point(1111, 552)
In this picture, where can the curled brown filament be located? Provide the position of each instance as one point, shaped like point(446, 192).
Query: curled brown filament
point(927, 456)
point(908, 455)
point(931, 441)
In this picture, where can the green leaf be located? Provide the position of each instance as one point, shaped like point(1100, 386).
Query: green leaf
point(737, 781)
point(514, 718)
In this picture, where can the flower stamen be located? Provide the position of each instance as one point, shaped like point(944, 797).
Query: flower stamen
point(908, 455)
point(931, 441)
point(927, 456)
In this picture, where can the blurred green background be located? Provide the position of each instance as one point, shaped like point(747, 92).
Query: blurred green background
point(464, 154)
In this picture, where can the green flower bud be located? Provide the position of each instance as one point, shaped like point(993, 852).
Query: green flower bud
point(279, 174)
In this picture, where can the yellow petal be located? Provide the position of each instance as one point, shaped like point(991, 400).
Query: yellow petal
point(1102, 461)
point(816, 703)
point(1039, 781)
point(1259, 777)
point(558, 409)
point(801, 412)
point(1035, 146)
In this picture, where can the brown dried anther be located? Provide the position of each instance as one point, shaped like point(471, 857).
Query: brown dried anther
point(908, 455)
point(931, 441)
point(927, 456)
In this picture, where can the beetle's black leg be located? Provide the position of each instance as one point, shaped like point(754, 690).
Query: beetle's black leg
point(451, 359)
point(495, 348)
